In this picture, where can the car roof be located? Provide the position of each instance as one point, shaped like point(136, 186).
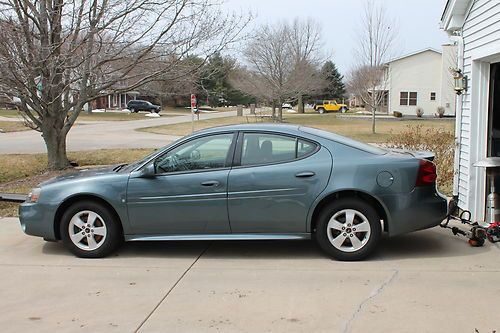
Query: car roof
point(284, 128)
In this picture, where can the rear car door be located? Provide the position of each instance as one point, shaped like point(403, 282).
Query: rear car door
point(188, 194)
point(274, 182)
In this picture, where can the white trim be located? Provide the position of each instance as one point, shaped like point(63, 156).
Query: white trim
point(479, 124)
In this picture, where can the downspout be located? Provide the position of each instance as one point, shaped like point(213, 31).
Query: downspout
point(459, 40)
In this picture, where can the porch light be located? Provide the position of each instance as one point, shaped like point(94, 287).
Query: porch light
point(461, 81)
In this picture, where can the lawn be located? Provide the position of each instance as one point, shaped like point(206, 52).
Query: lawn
point(12, 126)
point(20, 173)
point(359, 129)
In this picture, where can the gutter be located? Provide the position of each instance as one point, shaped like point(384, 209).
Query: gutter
point(459, 40)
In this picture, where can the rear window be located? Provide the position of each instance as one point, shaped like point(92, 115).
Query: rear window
point(344, 140)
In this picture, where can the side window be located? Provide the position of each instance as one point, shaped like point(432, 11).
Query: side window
point(260, 148)
point(305, 148)
point(209, 152)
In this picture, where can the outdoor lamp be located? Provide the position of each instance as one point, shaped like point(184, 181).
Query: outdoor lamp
point(461, 81)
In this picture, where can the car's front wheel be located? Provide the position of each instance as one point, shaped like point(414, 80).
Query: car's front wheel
point(348, 229)
point(90, 230)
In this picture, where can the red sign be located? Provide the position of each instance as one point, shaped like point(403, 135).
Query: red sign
point(193, 100)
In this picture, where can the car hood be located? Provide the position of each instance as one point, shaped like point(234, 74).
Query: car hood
point(81, 174)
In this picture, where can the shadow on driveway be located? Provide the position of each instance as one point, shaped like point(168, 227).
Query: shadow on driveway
point(432, 243)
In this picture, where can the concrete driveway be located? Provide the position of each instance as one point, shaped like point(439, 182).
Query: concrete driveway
point(428, 281)
point(102, 135)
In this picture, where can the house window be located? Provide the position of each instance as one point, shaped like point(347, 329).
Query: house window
point(408, 98)
point(403, 98)
point(433, 96)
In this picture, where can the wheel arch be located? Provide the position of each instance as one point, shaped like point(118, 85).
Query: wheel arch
point(82, 197)
point(351, 193)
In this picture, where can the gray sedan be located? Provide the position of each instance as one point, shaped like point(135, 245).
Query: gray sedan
point(243, 182)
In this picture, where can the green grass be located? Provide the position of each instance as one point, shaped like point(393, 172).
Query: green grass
point(359, 129)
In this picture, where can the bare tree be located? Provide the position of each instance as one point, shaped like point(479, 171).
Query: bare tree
point(282, 63)
point(58, 55)
point(369, 78)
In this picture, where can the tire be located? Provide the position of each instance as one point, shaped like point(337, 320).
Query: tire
point(132, 110)
point(76, 220)
point(321, 110)
point(343, 110)
point(338, 242)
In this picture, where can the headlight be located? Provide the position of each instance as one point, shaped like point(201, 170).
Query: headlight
point(34, 195)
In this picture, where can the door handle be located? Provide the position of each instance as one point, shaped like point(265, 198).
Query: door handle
point(305, 174)
point(213, 183)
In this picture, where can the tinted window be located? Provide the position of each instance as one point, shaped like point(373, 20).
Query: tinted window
point(209, 152)
point(260, 148)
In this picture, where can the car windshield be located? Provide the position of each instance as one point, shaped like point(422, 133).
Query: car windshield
point(344, 140)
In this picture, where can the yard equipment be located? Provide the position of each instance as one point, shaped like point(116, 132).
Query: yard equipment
point(476, 233)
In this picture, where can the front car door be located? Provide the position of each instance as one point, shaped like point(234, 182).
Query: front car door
point(188, 194)
point(274, 182)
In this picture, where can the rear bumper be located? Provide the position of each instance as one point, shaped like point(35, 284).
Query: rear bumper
point(423, 208)
point(37, 220)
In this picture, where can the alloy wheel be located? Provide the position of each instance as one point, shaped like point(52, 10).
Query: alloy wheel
point(87, 230)
point(348, 230)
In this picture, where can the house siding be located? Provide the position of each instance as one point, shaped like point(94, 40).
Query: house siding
point(481, 28)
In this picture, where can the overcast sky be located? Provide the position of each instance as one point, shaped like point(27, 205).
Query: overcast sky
point(418, 21)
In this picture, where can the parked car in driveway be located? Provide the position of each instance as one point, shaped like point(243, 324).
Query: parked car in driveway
point(243, 182)
point(139, 105)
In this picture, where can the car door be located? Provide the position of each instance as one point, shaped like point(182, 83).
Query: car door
point(188, 193)
point(274, 182)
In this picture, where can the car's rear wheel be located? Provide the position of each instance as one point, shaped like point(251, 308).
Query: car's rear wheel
point(90, 230)
point(348, 230)
point(343, 110)
point(321, 110)
point(133, 110)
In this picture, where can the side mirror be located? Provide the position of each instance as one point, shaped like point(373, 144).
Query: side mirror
point(149, 171)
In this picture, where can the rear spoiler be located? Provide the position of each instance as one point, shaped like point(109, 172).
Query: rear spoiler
point(423, 154)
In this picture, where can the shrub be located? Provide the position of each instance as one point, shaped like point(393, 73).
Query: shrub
point(397, 114)
point(440, 112)
point(420, 112)
point(437, 140)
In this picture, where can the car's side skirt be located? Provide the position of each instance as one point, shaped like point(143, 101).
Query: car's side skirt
point(297, 236)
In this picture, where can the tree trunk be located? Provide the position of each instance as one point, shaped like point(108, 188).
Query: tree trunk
point(274, 110)
point(300, 104)
point(374, 109)
point(55, 141)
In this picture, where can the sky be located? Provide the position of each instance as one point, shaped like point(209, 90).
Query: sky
point(417, 20)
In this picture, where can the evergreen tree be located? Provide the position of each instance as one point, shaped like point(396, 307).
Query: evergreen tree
point(335, 86)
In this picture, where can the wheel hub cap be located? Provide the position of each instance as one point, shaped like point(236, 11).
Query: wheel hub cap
point(87, 230)
point(348, 230)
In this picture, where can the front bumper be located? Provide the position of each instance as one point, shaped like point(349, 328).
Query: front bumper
point(37, 220)
point(423, 208)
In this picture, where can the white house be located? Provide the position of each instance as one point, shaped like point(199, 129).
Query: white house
point(474, 25)
point(422, 79)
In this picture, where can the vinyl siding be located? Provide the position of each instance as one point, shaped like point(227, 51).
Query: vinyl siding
point(481, 28)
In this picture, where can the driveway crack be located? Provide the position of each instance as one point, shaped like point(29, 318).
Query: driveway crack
point(374, 293)
point(171, 289)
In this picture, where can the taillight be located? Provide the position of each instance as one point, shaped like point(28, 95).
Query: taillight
point(426, 173)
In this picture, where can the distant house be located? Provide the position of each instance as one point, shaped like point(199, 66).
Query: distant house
point(474, 25)
point(421, 79)
point(114, 100)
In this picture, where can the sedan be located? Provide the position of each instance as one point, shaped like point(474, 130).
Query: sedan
point(243, 182)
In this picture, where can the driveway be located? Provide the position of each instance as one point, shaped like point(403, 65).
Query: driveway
point(430, 281)
point(102, 135)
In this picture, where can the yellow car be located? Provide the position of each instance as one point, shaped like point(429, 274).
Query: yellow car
point(330, 105)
